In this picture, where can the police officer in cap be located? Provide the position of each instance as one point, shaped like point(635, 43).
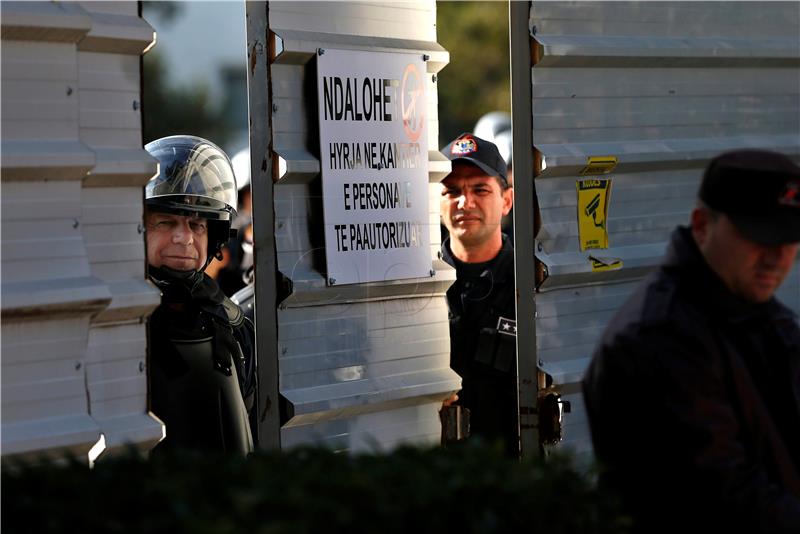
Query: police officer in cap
point(202, 358)
point(693, 394)
point(474, 198)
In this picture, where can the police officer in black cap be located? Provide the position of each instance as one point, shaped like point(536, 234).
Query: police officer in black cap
point(474, 198)
point(693, 394)
point(202, 357)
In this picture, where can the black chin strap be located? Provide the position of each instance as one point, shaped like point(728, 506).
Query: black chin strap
point(177, 286)
point(217, 255)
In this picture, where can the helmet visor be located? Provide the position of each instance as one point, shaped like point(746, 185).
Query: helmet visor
point(195, 175)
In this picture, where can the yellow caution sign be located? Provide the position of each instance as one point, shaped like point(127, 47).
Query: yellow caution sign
point(605, 264)
point(593, 198)
point(599, 165)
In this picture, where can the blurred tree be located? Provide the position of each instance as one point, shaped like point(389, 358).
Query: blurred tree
point(167, 11)
point(170, 110)
point(178, 110)
point(477, 79)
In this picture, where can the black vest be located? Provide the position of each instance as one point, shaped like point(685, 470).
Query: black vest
point(200, 377)
point(483, 343)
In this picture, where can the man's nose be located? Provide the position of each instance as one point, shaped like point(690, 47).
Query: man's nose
point(466, 200)
point(182, 234)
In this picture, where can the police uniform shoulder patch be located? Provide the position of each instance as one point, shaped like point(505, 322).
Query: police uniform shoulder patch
point(507, 326)
point(464, 145)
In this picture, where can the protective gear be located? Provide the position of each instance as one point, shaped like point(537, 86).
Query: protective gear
point(203, 379)
point(195, 179)
point(495, 126)
point(202, 348)
point(482, 316)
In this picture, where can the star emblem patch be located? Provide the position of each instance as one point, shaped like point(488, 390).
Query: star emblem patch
point(507, 326)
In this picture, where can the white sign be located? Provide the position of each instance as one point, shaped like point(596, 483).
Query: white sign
point(374, 158)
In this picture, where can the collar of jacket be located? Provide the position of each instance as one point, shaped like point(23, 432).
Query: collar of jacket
point(684, 258)
point(498, 268)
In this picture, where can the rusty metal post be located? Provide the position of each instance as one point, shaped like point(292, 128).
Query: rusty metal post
point(524, 209)
point(259, 89)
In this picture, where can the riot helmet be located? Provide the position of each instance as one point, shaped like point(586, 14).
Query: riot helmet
point(195, 179)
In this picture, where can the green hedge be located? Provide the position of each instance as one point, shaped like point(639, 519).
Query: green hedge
point(309, 490)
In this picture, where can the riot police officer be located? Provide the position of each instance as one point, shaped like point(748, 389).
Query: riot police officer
point(474, 198)
point(202, 357)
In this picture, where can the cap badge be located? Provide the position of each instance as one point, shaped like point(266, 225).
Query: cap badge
point(463, 146)
point(790, 195)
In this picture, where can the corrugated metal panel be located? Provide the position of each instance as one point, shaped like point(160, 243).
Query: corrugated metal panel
point(663, 86)
point(44, 391)
point(73, 289)
point(48, 293)
point(116, 29)
point(110, 125)
point(47, 22)
point(362, 365)
point(40, 112)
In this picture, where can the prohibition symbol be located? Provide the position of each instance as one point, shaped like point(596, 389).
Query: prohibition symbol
point(412, 102)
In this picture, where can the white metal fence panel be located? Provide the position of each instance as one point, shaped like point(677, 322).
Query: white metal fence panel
point(663, 86)
point(48, 294)
point(73, 290)
point(110, 125)
point(364, 365)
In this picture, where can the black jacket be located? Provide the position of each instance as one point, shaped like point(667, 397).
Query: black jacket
point(202, 367)
point(480, 300)
point(693, 398)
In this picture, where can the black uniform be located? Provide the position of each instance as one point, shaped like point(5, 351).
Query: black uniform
point(483, 343)
point(202, 358)
point(693, 399)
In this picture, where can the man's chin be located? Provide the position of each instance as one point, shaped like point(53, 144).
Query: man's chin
point(181, 265)
point(757, 292)
point(468, 238)
point(460, 233)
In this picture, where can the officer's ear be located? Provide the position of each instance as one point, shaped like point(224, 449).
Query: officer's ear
point(508, 200)
point(701, 220)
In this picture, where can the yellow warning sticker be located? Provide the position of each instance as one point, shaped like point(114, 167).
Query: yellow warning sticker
point(599, 165)
point(605, 264)
point(593, 197)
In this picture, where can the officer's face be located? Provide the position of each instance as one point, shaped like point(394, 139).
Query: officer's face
point(473, 204)
point(749, 270)
point(176, 241)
